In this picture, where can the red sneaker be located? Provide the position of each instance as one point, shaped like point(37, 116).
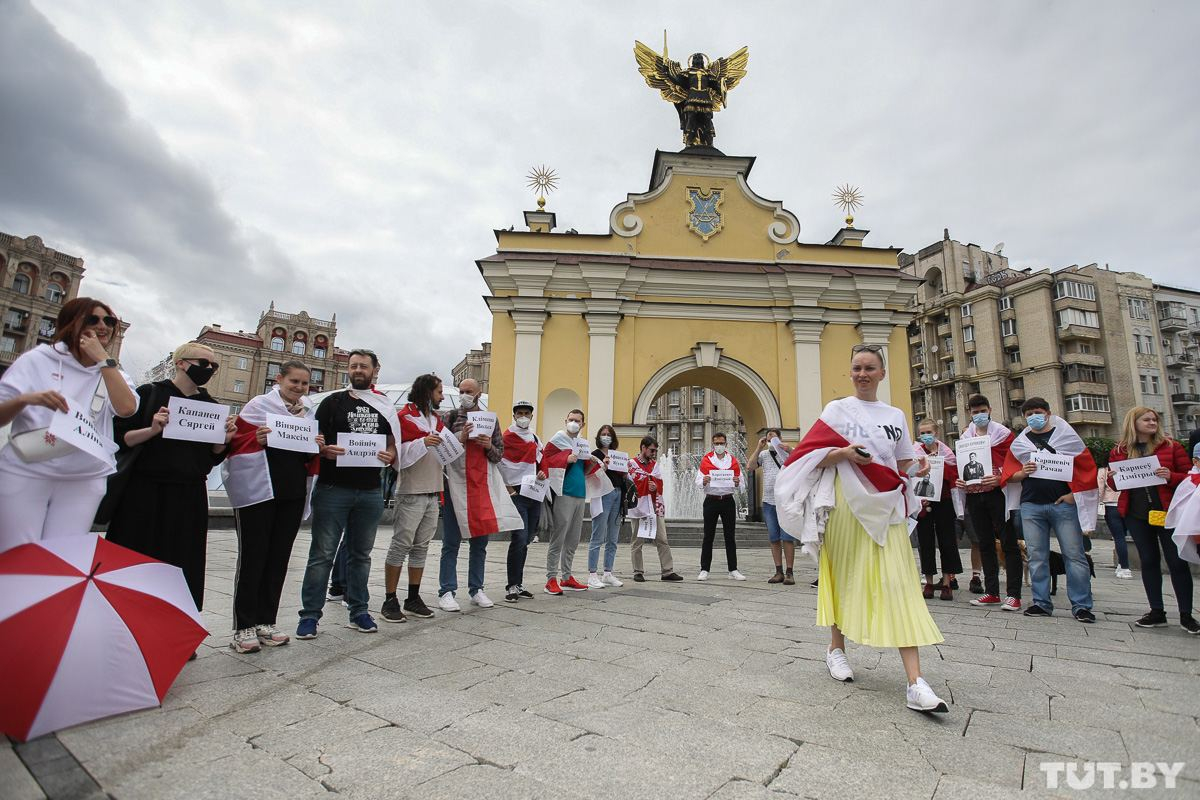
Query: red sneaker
point(572, 585)
point(1011, 604)
point(552, 587)
point(986, 600)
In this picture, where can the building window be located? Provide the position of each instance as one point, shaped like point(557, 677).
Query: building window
point(972, 361)
point(1087, 402)
point(239, 386)
point(344, 378)
point(319, 352)
point(15, 320)
point(277, 344)
point(674, 398)
point(1149, 384)
point(298, 347)
point(966, 309)
point(1014, 356)
point(1143, 345)
point(1004, 303)
point(1082, 372)
point(1139, 308)
point(697, 431)
point(1073, 316)
point(21, 285)
point(698, 396)
point(1086, 348)
point(272, 370)
point(651, 413)
point(1075, 289)
point(968, 332)
point(243, 362)
point(1008, 327)
point(318, 376)
point(46, 328)
point(54, 293)
point(673, 433)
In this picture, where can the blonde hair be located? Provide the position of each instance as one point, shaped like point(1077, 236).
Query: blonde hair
point(928, 421)
point(182, 351)
point(1129, 436)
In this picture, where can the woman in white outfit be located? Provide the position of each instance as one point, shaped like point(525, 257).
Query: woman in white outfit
point(48, 488)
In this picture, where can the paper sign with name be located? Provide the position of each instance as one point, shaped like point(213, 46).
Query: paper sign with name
point(720, 478)
point(974, 458)
point(534, 489)
point(618, 461)
point(450, 449)
point(583, 449)
point(76, 429)
point(195, 421)
point(482, 423)
point(362, 449)
point(930, 486)
point(647, 527)
point(1136, 472)
point(1053, 467)
point(292, 433)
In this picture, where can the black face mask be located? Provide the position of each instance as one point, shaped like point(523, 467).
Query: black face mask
point(199, 375)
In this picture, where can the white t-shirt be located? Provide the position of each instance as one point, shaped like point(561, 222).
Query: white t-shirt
point(54, 367)
point(770, 471)
point(881, 427)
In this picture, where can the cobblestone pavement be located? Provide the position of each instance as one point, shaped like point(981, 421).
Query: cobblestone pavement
point(690, 690)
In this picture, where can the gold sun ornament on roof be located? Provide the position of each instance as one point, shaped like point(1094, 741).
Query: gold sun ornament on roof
point(543, 181)
point(850, 199)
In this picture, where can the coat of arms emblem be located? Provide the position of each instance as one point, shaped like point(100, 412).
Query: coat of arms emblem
point(704, 218)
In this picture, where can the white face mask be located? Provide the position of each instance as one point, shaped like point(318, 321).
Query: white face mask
point(466, 400)
point(573, 427)
point(605, 441)
point(522, 422)
point(719, 449)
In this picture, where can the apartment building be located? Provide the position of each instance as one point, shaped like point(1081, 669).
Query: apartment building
point(475, 364)
point(1178, 313)
point(683, 420)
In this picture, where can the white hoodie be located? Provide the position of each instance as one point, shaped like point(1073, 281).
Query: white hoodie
point(54, 367)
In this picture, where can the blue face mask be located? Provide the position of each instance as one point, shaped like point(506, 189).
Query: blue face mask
point(927, 439)
point(981, 419)
point(1036, 421)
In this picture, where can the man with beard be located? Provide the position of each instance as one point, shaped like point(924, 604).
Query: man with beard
point(347, 498)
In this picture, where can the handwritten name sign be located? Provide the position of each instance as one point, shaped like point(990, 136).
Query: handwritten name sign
point(195, 421)
point(647, 528)
point(482, 423)
point(1136, 472)
point(449, 449)
point(582, 449)
point(77, 429)
point(292, 433)
point(534, 489)
point(362, 449)
point(618, 461)
point(720, 478)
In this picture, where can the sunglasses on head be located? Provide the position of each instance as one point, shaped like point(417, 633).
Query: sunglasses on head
point(867, 348)
point(203, 363)
point(92, 319)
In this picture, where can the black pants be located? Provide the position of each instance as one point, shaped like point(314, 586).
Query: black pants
point(986, 510)
point(726, 509)
point(935, 532)
point(266, 532)
point(518, 546)
point(166, 521)
point(1149, 539)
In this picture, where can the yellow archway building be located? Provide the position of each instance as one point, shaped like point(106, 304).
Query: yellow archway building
point(699, 281)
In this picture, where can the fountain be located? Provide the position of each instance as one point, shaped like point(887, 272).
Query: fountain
point(683, 498)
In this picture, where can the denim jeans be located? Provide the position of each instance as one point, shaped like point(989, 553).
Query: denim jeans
point(1116, 527)
point(337, 578)
point(1038, 519)
point(451, 539)
point(606, 529)
point(774, 533)
point(518, 546)
point(336, 512)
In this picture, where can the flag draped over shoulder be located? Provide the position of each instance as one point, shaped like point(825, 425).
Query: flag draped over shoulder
point(245, 471)
point(643, 476)
point(804, 491)
point(476, 489)
point(1184, 516)
point(554, 461)
point(1065, 442)
point(522, 454)
point(414, 427)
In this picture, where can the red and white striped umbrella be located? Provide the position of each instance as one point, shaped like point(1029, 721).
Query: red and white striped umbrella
point(88, 629)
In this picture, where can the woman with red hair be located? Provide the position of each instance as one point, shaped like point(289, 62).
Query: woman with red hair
point(47, 486)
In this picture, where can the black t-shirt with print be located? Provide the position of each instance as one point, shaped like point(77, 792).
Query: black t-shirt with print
point(338, 415)
point(1042, 491)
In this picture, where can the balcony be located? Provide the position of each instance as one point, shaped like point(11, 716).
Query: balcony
point(946, 354)
point(1068, 332)
point(1085, 387)
point(1011, 342)
point(1016, 396)
point(969, 346)
point(16, 326)
point(1008, 313)
point(943, 329)
point(1172, 319)
point(914, 337)
point(968, 320)
point(917, 356)
point(1089, 417)
point(1074, 302)
point(1087, 359)
point(1184, 398)
point(1178, 359)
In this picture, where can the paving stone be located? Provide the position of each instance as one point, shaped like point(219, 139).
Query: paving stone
point(419, 708)
point(484, 782)
point(504, 736)
point(519, 690)
point(312, 735)
point(956, 787)
point(1067, 738)
point(15, 781)
point(816, 771)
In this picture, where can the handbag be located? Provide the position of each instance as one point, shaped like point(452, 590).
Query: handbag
point(125, 461)
point(36, 445)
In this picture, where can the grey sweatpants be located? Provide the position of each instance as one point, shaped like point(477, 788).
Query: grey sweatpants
point(564, 539)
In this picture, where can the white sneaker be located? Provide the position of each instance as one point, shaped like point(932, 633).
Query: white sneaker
point(611, 579)
point(839, 667)
point(1124, 572)
point(703, 576)
point(734, 575)
point(270, 636)
point(447, 602)
point(245, 640)
point(594, 581)
point(922, 698)
point(480, 599)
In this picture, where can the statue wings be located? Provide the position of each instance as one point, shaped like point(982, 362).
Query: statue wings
point(729, 71)
point(660, 73)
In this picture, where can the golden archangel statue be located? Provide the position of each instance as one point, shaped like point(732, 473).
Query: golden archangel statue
point(697, 90)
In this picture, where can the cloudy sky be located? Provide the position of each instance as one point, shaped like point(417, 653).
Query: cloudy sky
point(355, 157)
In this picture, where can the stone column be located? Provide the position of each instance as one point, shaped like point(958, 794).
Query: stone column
point(602, 351)
point(806, 346)
point(876, 332)
point(527, 356)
